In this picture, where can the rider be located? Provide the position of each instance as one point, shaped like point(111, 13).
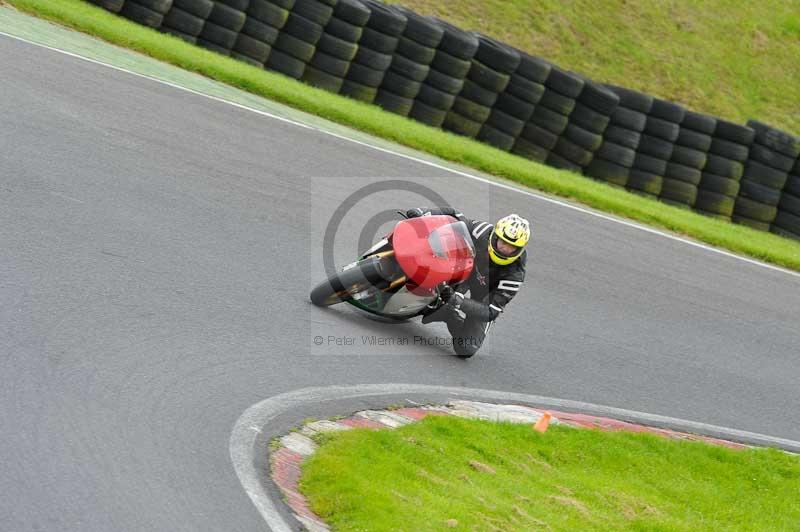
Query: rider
point(496, 278)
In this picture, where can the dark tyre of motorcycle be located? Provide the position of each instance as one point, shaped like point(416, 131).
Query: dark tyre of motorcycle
point(343, 285)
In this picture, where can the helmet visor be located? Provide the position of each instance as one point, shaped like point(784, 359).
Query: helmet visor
point(503, 249)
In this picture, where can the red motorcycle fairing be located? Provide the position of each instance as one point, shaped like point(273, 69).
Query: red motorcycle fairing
point(432, 250)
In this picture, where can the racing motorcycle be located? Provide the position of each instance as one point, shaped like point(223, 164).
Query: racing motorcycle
point(402, 274)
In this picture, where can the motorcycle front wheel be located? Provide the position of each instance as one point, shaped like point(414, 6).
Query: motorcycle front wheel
point(365, 275)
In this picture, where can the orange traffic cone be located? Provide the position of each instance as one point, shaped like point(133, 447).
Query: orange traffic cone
point(543, 423)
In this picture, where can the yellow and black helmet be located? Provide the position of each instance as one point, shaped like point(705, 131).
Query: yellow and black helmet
point(514, 231)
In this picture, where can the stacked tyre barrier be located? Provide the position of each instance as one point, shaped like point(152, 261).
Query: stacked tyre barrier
point(477, 87)
point(516, 104)
point(771, 157)
point(146, 12)
point(376, 47)
point(411, 61)
point(655, 151)
point(550, 116)
point(616, 159)
point(489, 74)
point(223, 25)
point(296, 43)
point(338, 46)
point(186, 18)
point(720, 181)
point(684, 170)
point(583, 136)
point(448, 70)
point(787, 222)
point(506, 119)
point(263, 22)
point(115, 6)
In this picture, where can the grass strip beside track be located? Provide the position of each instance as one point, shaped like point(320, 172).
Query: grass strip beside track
point(95, 21)
point(445, 472)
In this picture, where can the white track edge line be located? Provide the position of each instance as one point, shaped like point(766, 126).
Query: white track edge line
point(416, 159)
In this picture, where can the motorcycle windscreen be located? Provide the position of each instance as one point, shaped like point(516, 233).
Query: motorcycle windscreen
point(452, 244)
point(432, 250)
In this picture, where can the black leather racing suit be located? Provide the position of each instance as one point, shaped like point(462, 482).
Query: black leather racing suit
point(491, 286)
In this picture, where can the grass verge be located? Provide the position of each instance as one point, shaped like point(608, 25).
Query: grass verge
point(445, 472)
point(371, 119)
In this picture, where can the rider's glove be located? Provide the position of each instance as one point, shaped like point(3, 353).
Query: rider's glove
point(446, 292)
point(456, 300)
point(414, 213)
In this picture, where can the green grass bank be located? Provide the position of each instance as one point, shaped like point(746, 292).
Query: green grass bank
point(729, 58)
point(446, 473)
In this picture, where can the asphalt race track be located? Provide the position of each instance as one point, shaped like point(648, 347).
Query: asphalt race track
point(156, 253)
